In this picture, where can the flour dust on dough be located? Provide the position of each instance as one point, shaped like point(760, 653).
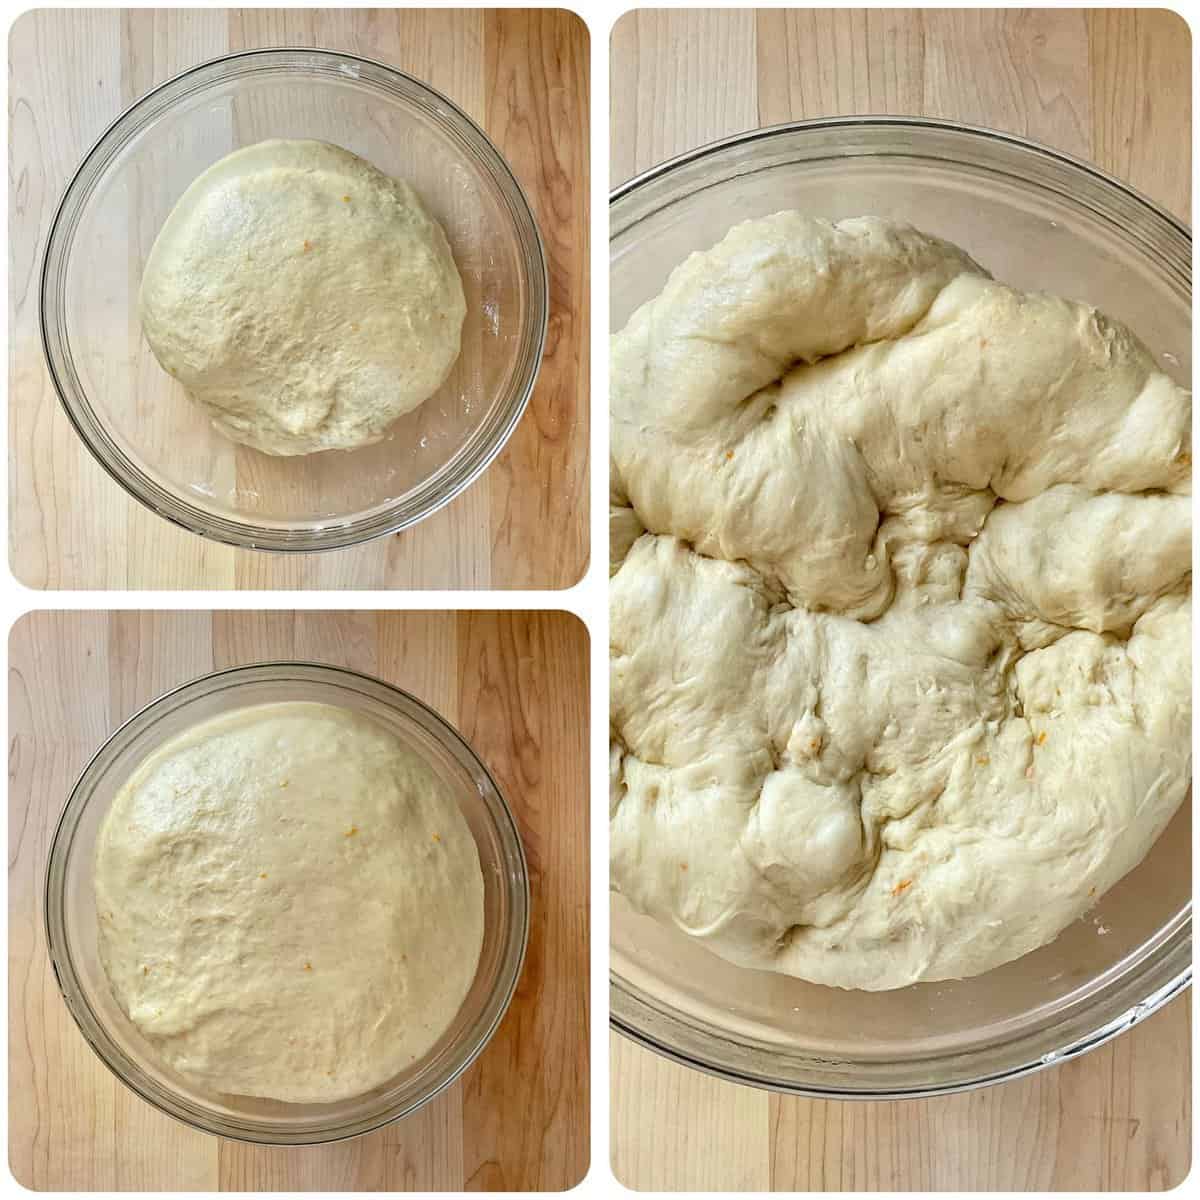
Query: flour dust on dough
point(290, 904)
point(302, 297)
point(900, 605)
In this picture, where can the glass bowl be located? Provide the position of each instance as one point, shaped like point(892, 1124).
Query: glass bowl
point(138, 422)
point(71, 910)
point(1042, 221)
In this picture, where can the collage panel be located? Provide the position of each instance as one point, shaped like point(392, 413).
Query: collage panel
point(900, 599)
point(316, 872)
point(356, 355)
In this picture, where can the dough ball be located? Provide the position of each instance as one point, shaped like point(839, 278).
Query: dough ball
point(900, 605)
point(302, 297)
point(289, 903)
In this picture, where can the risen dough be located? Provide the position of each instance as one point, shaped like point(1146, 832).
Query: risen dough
point(302, 297)
point(900, 605)
point(290, 904)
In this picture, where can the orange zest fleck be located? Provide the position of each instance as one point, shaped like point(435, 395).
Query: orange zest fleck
point(308, 966)
point(307, 245)
point(437, 837)
point(728, 455)
point(982, 760)
point(351, 831)
point(902, 886)
point(262, 875)
point(683, 866)
point(1040, 740)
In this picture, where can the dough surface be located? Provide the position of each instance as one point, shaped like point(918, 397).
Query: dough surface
point(289, 904)
point(900, 605)
point(302, 297)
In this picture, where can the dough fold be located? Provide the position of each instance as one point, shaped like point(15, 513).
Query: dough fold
point(900, 605)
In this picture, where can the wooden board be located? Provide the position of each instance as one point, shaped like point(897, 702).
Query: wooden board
point(1110, 86)
point(522, 75)
point(516, 686)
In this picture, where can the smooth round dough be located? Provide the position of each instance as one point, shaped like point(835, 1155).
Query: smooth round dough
point(302, 297)
point(900, 606)
point(290, 903)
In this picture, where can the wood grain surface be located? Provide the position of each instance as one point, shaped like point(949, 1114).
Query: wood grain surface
point(1112, 86)
point(515, 685)
point(523, 76)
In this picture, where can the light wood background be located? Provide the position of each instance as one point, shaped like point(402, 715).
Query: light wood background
point(516, 686)
point(1110, 86)
point(524, 77)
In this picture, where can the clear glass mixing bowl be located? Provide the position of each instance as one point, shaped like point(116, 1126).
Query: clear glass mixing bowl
point(136, 419)
point(1040, 220)
point(71, 909)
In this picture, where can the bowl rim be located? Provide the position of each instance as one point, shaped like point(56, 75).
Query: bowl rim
point(625, 1008)
point(342, 532)
point(54, 923)
point(981, 133)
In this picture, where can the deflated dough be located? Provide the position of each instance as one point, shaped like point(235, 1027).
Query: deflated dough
point(302, 297)
point(290, 904)
point(900, 605)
